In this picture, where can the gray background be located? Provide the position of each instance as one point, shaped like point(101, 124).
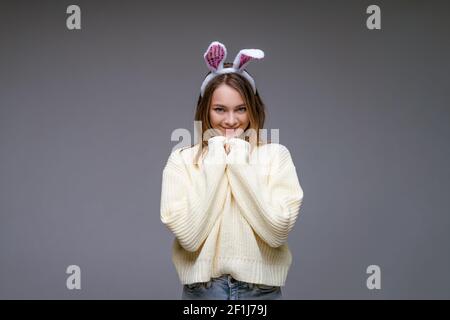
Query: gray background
point(86, 118)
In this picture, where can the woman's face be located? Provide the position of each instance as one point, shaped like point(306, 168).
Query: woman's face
point(228, 111)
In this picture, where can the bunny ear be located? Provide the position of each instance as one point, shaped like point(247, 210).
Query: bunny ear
point(245, 56)
point(215, 56)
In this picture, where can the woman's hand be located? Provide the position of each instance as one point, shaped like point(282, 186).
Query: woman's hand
point(227, 148)
point(229, 134)
point(234, 133)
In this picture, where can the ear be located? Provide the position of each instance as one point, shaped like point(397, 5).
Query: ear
point(215, 56)
point(244, 57)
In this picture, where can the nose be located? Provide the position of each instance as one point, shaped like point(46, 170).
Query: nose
point(231, 120)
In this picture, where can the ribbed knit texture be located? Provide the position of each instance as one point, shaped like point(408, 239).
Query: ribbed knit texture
point(231, 214)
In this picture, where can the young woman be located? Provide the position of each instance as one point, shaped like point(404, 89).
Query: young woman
point(231, 199)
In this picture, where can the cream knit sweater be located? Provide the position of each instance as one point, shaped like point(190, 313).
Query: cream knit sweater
point(231, 213)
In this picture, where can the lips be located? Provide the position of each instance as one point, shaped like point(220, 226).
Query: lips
point(230, 131)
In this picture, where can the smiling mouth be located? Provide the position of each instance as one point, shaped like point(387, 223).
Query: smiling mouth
point(232, 132)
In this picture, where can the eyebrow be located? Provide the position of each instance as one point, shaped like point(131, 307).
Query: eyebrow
point(220, 105)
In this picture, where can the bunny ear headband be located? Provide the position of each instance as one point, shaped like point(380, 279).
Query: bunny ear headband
point(215, 56)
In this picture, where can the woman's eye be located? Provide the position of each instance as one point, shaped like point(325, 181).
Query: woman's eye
point(243, 109)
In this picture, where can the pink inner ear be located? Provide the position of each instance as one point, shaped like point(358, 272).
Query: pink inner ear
point(244, 59)
point(215, 55)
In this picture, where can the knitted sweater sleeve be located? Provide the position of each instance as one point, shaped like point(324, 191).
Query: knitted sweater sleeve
point(190, 207)
point(271, 208)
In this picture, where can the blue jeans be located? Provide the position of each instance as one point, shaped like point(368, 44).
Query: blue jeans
point(228, 288)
